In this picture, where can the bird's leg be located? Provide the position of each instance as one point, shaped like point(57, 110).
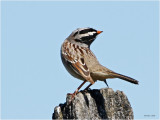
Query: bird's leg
point(88, 86)
point(106, 83)
point(73, 95)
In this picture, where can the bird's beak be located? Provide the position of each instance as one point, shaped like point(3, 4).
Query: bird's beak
point(98, 32)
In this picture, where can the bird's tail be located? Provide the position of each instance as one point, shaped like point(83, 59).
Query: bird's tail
point(126, 78)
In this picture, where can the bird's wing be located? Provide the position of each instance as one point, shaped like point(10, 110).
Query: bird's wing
point(77, 64)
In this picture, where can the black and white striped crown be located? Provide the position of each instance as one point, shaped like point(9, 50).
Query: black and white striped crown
point(85, 35)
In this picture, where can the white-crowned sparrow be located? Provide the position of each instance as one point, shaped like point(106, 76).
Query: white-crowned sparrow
point(80, 61)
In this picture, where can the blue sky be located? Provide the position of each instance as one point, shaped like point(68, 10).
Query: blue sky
point(34, 79)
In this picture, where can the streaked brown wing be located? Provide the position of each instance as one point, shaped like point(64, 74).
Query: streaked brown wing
point(79, 66)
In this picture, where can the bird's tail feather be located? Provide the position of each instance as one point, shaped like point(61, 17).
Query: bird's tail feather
point(126, 78)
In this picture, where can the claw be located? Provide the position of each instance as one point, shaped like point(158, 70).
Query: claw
point(73, 95)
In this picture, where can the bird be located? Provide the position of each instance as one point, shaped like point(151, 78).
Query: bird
point(81, 62)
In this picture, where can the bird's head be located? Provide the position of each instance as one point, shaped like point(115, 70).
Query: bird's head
point(84, 35)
